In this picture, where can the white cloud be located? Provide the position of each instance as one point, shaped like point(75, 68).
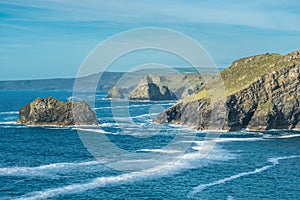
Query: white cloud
point(261, 14)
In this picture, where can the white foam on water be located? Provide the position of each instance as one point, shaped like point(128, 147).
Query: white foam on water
point(9, 122)
point(13, 127)
point(9, 113)
point(290, 136)
point(220, 140)
point(274, 161)
point(57, 128)
point(46, 170)
point(90, 130)
point(282, 136)
point(10, 118)
point(236, 139)
point(107, 124)
point(166, 151)
point(192, 160)
point(243, 132)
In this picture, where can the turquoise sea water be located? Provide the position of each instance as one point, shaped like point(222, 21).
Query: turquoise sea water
point(54, 163)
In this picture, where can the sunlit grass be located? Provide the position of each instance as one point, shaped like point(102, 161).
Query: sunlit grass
point(242, 73)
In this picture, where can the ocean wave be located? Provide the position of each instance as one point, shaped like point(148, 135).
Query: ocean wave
point(273, 161)
point(108, 124)
point(16, 127)
point(99, 130)
point(237, 139)
point(289, 136)
point(166, 151)
point(9, 113)
point(281, 136)
point(191, 160)
point(8, 122)
point(212, 141)
point(47, 170)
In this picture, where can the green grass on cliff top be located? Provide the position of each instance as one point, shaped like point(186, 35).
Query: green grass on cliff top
point(245, 71)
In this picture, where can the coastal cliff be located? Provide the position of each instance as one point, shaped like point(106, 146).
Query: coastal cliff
point(262, 92)
point(49, 111)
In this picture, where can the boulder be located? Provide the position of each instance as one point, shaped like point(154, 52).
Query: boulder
point(49, 111)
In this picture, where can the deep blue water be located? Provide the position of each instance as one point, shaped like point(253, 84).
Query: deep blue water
point(59, 162)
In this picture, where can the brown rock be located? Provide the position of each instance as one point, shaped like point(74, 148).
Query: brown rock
point(49, 111)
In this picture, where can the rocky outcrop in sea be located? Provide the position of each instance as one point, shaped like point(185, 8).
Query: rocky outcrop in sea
point(115, 93)
point(150, 89)
point(52, 112)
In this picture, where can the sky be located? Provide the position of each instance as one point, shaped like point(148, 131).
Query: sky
point(51, 38)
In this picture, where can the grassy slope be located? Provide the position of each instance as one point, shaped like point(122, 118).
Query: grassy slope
point(245, 71)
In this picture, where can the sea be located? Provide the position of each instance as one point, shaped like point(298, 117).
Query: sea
point(128, 156)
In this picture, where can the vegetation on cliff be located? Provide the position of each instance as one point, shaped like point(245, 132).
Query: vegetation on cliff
point(262, 93)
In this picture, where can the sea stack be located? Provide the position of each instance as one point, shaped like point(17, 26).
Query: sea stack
point(150, 89)
point(115, 93)
point(52, 112)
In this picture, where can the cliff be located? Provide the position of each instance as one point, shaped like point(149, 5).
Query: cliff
point(262, 92)
point(49, 111)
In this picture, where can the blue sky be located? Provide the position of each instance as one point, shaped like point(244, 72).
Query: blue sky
point(51, 38)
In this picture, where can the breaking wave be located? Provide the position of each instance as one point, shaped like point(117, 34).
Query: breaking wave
point(273, 161)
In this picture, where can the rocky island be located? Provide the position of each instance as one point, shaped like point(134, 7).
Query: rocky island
point(150, 89)
point(115, 93)
point(262, 92)
point(52, 112)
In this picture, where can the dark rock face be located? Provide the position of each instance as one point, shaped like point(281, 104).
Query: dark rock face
point(271, 102)
point(149, 89)
point(115, 93)
point(49, 111)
